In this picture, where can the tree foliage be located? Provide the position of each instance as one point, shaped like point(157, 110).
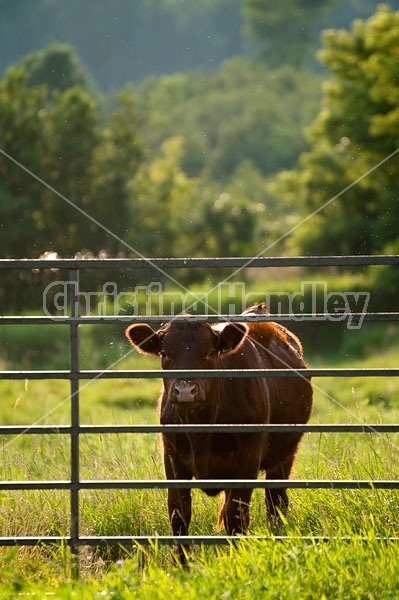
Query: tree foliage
point(56, 66)
point(242, 111)
point(160, 207)
point(68, 165)
point(116, 158)
point(356, 129)
point(286, 29)
point(94, 166)
point(201, 163)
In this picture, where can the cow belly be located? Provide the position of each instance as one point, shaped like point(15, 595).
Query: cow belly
point(238, 458)
point(213, 466)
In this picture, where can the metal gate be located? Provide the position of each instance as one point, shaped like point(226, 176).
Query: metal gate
point(75, 374)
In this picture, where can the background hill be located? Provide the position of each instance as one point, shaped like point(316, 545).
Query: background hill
point(127, 40)
point(176, 128)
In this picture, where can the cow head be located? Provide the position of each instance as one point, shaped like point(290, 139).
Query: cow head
point(185, 345)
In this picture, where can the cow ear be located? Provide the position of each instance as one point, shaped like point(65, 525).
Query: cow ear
point(144, 339)
point(231, 337)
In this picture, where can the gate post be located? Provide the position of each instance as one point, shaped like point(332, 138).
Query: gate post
point(75, 422)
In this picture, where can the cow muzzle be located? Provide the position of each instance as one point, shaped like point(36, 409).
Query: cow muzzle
point(184, 391)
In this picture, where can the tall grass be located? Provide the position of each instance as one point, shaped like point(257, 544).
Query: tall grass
point(362, 566)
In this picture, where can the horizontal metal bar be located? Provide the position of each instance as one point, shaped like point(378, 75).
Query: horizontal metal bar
point(129, 319)
point(184, 263)
point(202, 484)
point(184, 540)
point(247, 483)
point(35, 429)
point(219, 428)
point(35, 485)
point(205, 373)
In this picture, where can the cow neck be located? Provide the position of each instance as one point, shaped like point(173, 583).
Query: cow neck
point(200, 444)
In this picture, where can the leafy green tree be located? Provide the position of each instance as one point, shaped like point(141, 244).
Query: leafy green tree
point(58, 163)
point(71, 136)
point(115, 161)
point(60, 147)
point(176, 215)
point(286, 29)
point(21, 134)
point(57, 66)
point(356, 129)
point(242, 111)
point(160, 207)
point(52, 139)
point(227, 225)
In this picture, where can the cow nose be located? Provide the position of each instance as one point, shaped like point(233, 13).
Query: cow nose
point(184, 391)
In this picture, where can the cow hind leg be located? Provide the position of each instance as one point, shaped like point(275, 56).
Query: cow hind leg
point(277, 498)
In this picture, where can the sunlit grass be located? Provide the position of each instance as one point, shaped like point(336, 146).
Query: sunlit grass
point(361, 567)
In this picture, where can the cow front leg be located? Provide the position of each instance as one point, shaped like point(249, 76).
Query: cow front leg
point(235, 511)
point(179, 507)
point(277, 498)
point(179, 501)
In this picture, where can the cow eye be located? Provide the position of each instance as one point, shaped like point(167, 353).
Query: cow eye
point(211, 354)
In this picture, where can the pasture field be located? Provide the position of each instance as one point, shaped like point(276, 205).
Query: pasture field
point(363, 566)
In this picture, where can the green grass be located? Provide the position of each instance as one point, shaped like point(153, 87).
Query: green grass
point(351, 569)
point(32, 346)
point(362, 567)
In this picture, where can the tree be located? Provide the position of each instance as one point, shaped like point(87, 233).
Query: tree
point(52, 136)
point(241, 111)
point(21, 132)
point(57, 164)
point(172, 214)
point(160, 207)
point(57, 66)
point(356, 129)
point(115, 161)
point(66, 163)
point(70, 138)
point(285, 28)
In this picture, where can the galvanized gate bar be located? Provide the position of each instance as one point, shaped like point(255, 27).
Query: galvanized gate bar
point(184, 540)
point(221, 428)
point(202, 484)
point(216, 318)
point(191, 263)
point(204, 373)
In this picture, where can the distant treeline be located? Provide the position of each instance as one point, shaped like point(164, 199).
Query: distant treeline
point(127, 40)
point(230, 161)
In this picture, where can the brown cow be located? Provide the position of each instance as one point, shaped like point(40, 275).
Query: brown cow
point(256, 345)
